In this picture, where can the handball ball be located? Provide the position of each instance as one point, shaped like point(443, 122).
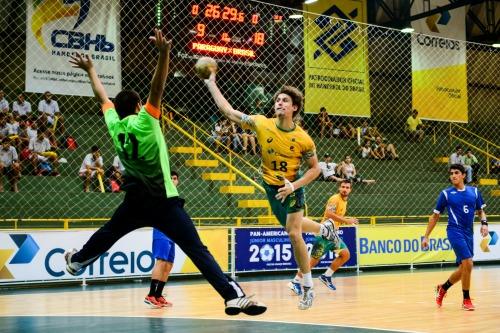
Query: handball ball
point(204, 67)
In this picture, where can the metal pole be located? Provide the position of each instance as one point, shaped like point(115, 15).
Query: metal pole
point(233, 254)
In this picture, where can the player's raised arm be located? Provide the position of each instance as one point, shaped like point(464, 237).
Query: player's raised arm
point(222, 103)
point(161, 72)
point(84, 62)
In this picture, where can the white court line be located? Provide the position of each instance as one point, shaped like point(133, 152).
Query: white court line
point(229, 319)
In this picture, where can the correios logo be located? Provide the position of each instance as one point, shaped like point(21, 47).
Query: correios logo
point(441, 19)
point(46, 11)
point(489, 241)
point(27, 250)
point(335, 34)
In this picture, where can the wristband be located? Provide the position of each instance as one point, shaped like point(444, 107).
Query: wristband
point(484, 222)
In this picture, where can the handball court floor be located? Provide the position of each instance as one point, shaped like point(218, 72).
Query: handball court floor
point(394, 301)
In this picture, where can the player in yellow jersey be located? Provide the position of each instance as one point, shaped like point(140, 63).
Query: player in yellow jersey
point(284, 147)
point(335, 210)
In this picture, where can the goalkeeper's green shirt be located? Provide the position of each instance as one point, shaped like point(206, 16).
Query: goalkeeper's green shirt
point(140, 144)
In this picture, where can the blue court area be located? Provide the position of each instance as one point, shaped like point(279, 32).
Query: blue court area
point(177, 325)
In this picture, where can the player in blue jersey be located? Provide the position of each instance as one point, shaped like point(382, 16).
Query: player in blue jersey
point(462, 202)
point(151, 198)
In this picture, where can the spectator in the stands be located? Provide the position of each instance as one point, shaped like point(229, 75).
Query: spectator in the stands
point(41, 155)
point(4, 105)
point(329, 169)
point(384, 151)
point(471, 161)
point(367, 151)
point(9, 165)
point(458, 158)
point(348, 171)
point(249, 136)
point(21, 107)
point(4, 130)
point(325, 123)
point(236, 133)
point(118, 170)
point(91, 168)
point(347, 130)
point(415, 126)
point(50, 113)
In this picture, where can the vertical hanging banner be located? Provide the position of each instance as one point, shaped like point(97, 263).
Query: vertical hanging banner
point(439, 72)
point(336, 58)
point(57, 29)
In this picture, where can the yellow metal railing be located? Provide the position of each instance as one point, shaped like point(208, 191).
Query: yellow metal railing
point(486, 152)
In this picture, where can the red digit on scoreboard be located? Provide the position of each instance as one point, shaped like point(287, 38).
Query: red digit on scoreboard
point(200, 30)
point(225, 37)
point(195, 10)
point(255, 19)
point(258, 38)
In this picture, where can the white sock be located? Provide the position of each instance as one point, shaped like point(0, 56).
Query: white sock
point(329, 272)
point(308, 280)
point(297, 279)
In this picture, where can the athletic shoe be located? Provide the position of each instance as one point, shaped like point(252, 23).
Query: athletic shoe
point(295, 287)
point(153, 302)
point(307, 299)
point(440, 294)
point(245, 305)
point(71, 267)
point(327, 281)
point(467, 305)
point(164, 303)
point(332, 233)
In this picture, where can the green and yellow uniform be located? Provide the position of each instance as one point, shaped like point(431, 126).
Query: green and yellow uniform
point(282, 154)
point(321, 246)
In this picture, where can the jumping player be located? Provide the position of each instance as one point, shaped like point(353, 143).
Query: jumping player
point(462, 201)
point(284, 146)
point(151, 198)
point(336, 207)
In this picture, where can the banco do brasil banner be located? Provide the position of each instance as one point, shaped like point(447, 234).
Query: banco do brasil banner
point(336, 58)
point(39, 255)
point(439, 71)
point(270, 249)
point(57, 29)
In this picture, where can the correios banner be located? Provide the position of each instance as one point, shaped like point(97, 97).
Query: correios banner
point(439, 71)
point(336, 58)
point(39, 255)
point(57, 29)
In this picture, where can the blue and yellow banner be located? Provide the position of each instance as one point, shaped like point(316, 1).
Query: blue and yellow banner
point(390, 245)
point(336, 58)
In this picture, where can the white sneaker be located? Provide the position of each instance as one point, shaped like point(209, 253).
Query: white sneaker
point(307, 299)
point(245, 305)
point(71, 267)
point(332, 234)
point(295, 287)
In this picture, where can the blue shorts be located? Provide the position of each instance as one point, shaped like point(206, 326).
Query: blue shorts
point(462, 244)
point(163, 247)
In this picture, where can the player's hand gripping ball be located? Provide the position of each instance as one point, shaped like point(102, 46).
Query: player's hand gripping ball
point(204, 67)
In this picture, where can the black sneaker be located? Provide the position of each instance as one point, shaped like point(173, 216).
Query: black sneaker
point(245, 305)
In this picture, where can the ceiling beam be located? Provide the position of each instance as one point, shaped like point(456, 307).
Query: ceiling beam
point(438, 10)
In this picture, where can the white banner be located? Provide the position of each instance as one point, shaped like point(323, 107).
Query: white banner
point(57, 29)
point(439, 53)
point(39, 255)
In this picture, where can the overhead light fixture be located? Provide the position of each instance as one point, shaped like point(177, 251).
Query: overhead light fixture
point(407, 30)
point(497, 45)
point(296, 16)
point(307, 2)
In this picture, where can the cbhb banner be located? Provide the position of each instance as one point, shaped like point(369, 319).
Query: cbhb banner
point(270, 249)
point(435, 60)
point(57, 29)
point(336, 58)
point(39, 255)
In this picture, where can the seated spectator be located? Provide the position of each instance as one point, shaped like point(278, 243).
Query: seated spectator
point(9, 165)
point(347, 130)
point(367, 151)
point(458, 158)
point(4, 105)
point(118, 170)
point(21, 107)
point(328, 169)
point(348, 171)
point(470, 161)
point(325, 123)
point(221, 134)
point(236, 136)
point(50, 113)
point(91, 168)
point(40, 149)
point(415, 126)
point(384, 151)
point(249, 136)
point(364, 128)
point(4, 130)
